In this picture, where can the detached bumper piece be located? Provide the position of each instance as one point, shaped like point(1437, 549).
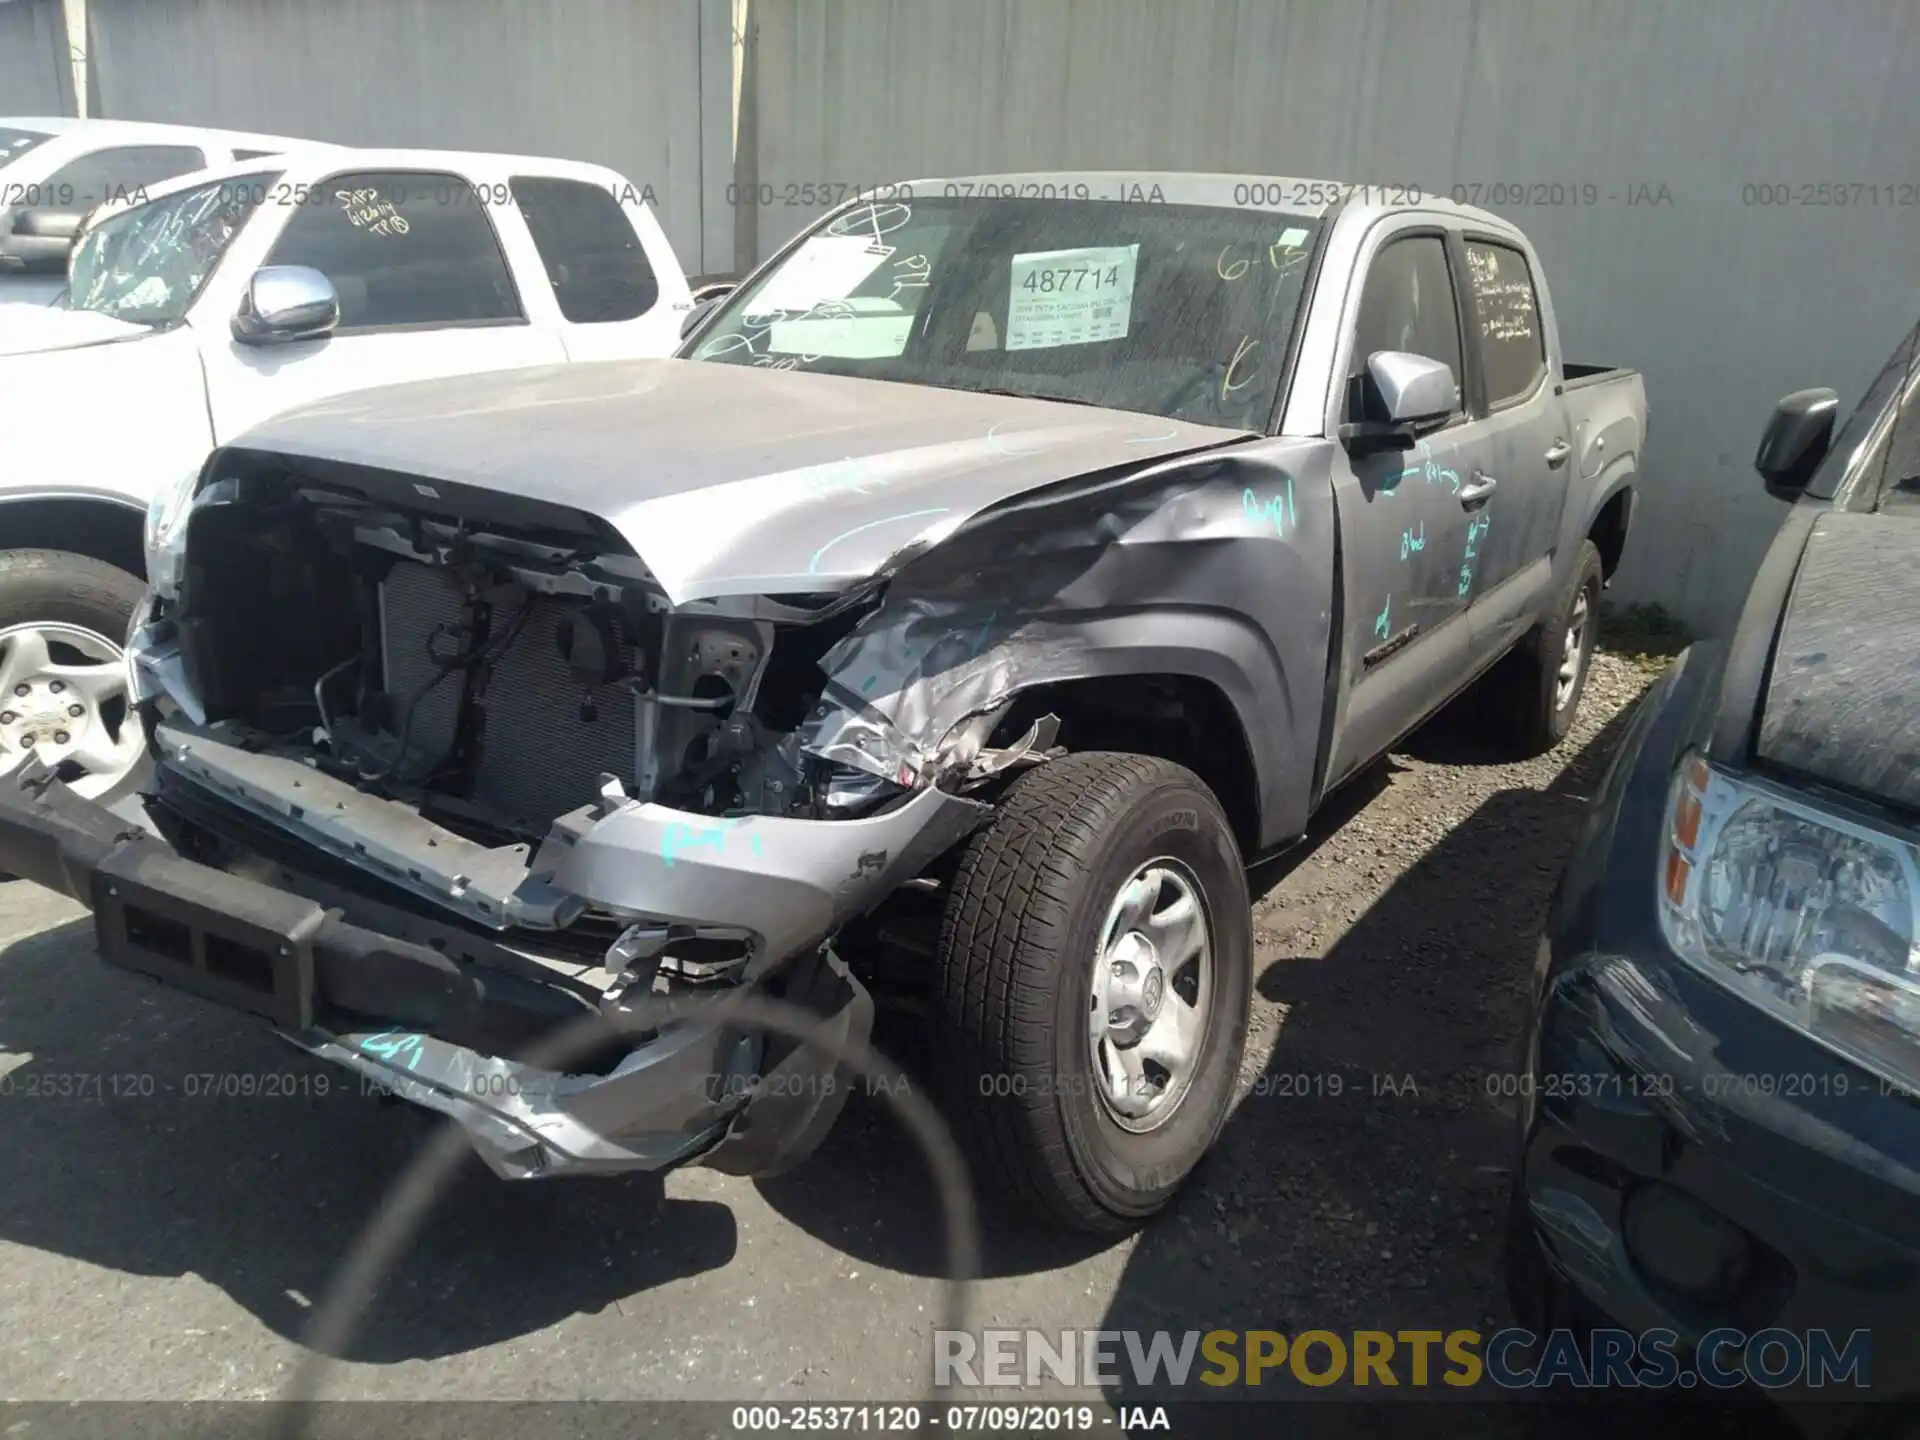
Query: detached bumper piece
point(234, 942)
point(392, 1010)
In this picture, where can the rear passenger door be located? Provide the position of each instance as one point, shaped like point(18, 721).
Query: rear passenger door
point(1405, 516)
point(425, 291)
point(1527, 444)
point(612, 299)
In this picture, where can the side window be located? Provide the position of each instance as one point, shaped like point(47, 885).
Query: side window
point(1507, 334)
point(121, 172)
point(255, 154)
point(1408, 304)
point(401, 248)
point(594, 260)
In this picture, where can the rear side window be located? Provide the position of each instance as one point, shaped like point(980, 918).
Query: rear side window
point(594, 260)
point(121, 173)
point(1408, 305)
point(402, 248)
point(1507, 333)
point(254, 154)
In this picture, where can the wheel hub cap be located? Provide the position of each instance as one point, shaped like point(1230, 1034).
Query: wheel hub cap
point(1571, 649)
point(63, 701)
point(1152, 988)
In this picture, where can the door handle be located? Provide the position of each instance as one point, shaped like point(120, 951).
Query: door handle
point(1557, 454)
point(1476, 492)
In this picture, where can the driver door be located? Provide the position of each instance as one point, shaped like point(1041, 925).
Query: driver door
point(1410, 526)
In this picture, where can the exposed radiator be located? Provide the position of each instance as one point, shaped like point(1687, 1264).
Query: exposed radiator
point(538, 758)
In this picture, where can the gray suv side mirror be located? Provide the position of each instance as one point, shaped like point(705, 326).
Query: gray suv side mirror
point(285, 303)
point(1796, 440)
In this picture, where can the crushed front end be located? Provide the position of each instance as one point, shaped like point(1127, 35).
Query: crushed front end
point(432, 788)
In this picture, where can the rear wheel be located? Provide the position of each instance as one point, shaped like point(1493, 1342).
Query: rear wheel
point(1095, 967)
point(1543, 679)
point(63, 685)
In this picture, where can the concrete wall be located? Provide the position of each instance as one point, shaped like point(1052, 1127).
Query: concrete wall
point(1723, 301)
point(640, 85)
point(35, 75)
point(1631, 136)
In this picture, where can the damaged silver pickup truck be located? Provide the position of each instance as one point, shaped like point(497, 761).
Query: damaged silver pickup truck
point(1003, 566)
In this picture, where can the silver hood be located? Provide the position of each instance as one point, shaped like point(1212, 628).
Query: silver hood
point(729, 479)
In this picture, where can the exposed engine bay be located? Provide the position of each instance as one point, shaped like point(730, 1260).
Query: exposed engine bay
point(493, 680)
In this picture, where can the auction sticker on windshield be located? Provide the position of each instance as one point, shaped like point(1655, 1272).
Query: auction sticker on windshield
point(1071, 297)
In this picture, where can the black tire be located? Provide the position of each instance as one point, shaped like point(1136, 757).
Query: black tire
point(1017, 939)
point(56, 585)
point(1538, 717)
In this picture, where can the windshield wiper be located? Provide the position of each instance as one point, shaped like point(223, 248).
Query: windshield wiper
point(1029, 395)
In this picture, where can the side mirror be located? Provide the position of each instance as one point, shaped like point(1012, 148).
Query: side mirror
point(41, 240)
point(704, 299)
point(1403, 393)
point(285, 303)
point(1796, 440)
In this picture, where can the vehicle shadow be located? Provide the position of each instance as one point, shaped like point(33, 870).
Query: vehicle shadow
point(1361, 1182)
point(109, 1159)
point(867, 1191)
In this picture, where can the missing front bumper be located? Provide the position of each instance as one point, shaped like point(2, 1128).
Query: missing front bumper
point(682, 1090)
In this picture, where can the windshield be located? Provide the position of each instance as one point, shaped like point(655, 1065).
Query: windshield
point(15, 142)
point(147, 264)
point(1891, 461)
point(1172, 310)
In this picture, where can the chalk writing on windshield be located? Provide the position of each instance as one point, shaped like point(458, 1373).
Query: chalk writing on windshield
point(1241, 351)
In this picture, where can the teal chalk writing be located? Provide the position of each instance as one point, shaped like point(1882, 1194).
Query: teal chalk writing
point(681, 837)
point(1414, 540)
point(813, 565)
point(1474, 531)
point(1381, 622)
point(1274, 510)
point(391, 1045)
point(1432, 469)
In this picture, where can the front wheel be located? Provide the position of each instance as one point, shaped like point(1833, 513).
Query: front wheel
point(1095, 967)
point(63, 683)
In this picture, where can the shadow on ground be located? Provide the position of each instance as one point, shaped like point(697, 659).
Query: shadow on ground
point(263, 1196)
point(1360, 1184)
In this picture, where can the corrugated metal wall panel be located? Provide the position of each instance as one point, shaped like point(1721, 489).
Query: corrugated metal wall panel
point(1724, 301)
point(36, 77)
point(615, 82)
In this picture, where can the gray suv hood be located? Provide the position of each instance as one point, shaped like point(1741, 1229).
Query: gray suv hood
point(1841, 704)
point(729, 479)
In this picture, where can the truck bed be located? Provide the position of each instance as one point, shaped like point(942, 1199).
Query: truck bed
point(1580, 376)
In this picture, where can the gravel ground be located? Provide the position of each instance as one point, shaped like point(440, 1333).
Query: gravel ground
point(156, 1246)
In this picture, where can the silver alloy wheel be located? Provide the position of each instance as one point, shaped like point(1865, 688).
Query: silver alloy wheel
point(63, 698)
point(1151, 992)
point(1570, 651)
